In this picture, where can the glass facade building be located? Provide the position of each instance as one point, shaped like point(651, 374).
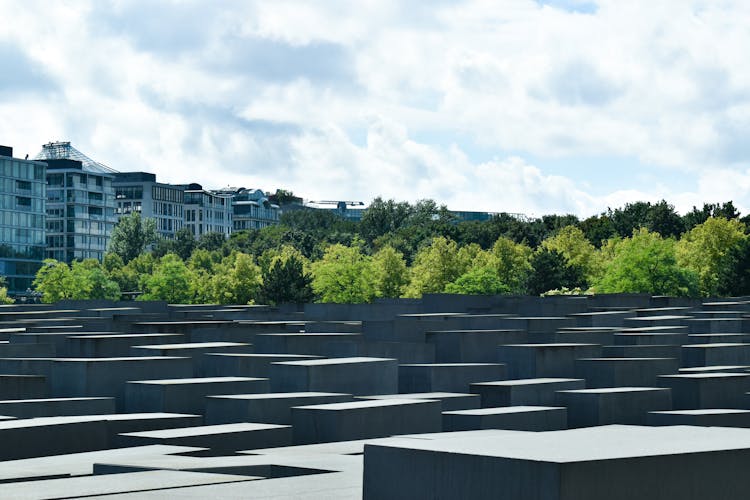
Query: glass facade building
point(251, 209)
point(80, 204)
point(22, 217)
point(139, 192)
point(207, 212)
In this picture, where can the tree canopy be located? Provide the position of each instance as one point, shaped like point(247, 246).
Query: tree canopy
point(402, 249)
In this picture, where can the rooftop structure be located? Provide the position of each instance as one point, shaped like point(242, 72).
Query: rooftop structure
point(80, 204)
point(64, 151)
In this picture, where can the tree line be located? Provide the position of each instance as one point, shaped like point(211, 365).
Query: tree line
point(399, 249)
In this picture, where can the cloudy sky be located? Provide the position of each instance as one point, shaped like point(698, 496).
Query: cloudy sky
point(562, 106)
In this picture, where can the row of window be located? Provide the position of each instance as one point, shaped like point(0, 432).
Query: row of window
point(16, 267)
point(168, 225)
point(241, 224)
point(24, 203)
point(78, 241)
point(129, 192)
point(68, 255)
point(82, 212)
point(168, 209)
point(78, 196)
point(27, 188)
point(79, 226)
point(84, 181)
point(21, 170)
point(167, 194)
point(21, 251)
point(22, 235)
point(21, 219)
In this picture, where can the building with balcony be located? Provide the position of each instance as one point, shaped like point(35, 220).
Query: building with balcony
point(139, 192)
point(207, 212)
point(22, 230)
point(80, 204)
point(251, 209)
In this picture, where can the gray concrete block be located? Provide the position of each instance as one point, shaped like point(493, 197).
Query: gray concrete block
point(357, 376)
point(8, 350)
point(642, 351)
point(194, 351)
point(271, 408)
point(115, 345)
point(364, 419)
point(524, 392)
point(622, 372)
point(403, 352)
point(716, 354)
point(613, 462)
point(39, 437)
point(186, 395)
point(706, 417)
point(138, 484)
point(23, 386)
point(316, 344)
point(707, 390)
point(585, 335)
point(620, 405)
point(515, 418)
point(446, 377)
point(450, 401)
point(225, 437)
point(80, 377)
point(52, 407)
point(471, 346)
point(544, 360)
point(246, 365)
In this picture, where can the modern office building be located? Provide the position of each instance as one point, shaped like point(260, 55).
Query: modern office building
point(251, 209)
point(139, 192)
point(207, 212)
point(80, 203)
point(22, 231)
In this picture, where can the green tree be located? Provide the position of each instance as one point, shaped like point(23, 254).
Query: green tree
point(383, 217)
point(390, 272)
point(183, 244)
point(243, 278)
point(571, 242)
point(663, 219)
point(132, 235)
point(52, 281)
point(733, 273)
point(478, 281)
point(646, 263)
point(343, 275)
point(550, 270)
point(211, 241)
point(82, 280)
point(435, 266)
point(285, 281)
point(598, 229)
point(703, 249)
point(92, 281)
point(726, 210)
point(170, 280)
point(4, 299)
point(511, 262)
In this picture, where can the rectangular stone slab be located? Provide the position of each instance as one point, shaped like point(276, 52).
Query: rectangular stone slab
point(516, 418)
point(364, 419)
point(611, 462)
point(271, 408)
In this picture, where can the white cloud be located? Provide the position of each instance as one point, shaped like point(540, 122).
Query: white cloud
point(350, 100)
